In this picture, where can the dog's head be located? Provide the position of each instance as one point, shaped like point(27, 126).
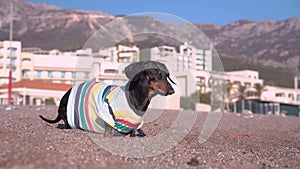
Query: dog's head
point(154, 76)
point(158, 82)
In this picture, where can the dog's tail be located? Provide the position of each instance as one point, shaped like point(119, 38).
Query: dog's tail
point(58, 118)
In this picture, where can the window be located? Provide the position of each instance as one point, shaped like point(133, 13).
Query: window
point(86, 75)
point(247, 84)
point(291, 96)
point(114, 71)
point(12, 51)
point(73, 74)
point(12, 62)
point(25, 73)
point(63, 74)
point(50, 74)
point(279, 94)
point(38, 74)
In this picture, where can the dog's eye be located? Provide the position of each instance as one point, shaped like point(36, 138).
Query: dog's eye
point(155, 78)
point(159, 75)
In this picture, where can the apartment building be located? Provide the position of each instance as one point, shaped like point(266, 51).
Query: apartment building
point(182, 59)
point(194, 59)
point(246, 78)
point(55, 66)
point(281, 95)
point(120, 53)
point(190, 67)
point(10, 58)
point(80, 65)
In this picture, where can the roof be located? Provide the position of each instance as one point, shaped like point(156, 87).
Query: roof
point(38, 84)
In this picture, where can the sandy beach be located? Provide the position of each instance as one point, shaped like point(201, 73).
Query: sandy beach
point(240, 141)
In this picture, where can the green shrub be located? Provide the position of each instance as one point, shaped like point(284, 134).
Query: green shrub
point(196, 97)
point(50, 101)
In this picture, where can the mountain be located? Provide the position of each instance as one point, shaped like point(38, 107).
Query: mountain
point(48, 27)
point(275, 42)
point(268, 43)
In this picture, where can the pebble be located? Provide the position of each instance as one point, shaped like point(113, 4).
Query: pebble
point(27, 141)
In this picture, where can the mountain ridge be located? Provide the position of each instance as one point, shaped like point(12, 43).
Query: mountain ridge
point(272, 42)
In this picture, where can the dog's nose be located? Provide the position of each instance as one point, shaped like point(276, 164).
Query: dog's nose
point(171, 91)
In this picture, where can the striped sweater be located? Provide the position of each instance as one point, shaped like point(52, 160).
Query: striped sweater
point(91, 104)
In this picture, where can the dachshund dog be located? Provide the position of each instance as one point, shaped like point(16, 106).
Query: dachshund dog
point(115, 110)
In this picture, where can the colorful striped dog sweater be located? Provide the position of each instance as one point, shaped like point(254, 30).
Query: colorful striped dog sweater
point(92, 104)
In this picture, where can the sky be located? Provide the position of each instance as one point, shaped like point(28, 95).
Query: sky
point(220, 12)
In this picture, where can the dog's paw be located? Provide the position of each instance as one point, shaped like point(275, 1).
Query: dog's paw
point(139, 133)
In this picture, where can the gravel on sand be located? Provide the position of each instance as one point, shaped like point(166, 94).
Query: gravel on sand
point(240, 141)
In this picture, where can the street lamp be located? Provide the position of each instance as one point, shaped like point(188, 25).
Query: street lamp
point(10, 54)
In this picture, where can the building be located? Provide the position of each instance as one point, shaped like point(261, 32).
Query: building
point(34, 92)
point(273, 100)
point(281, 95)
point(194, 59)
point(266, 100)
point(246, 78)
point(120, 53)
point(186, 58)
point(191, 68)
point(10, 58)
point(57, 67)
point(71, 67)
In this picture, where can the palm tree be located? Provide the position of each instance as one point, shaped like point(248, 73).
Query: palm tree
point(242, 95)
point(259, 89)
point(228, 96)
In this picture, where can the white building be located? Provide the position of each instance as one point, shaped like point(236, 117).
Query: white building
point(191, 81)
point(189, 65)
point(120, 53)
point(281, 95)
point(246, 78)
point(194, 59)
point(58, 67)
point(10, 57)
point(81, 65)
point(39, 70)
point(186, 58)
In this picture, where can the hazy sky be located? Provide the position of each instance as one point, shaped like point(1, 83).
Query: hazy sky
point(197, 11)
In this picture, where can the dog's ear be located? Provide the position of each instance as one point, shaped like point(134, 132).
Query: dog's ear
point(143, 75)
point(140, 79)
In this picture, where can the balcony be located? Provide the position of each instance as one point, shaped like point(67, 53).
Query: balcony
point(26, 57)
point(11, 66)
point(12, 56)
point(26, 65)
